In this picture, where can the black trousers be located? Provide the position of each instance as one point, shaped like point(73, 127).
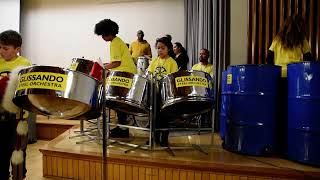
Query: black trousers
point(7, 141)
point(122, 117)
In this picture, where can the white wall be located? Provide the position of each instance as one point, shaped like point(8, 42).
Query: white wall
point(238, 31)
point(55, 31)
point(9, 15)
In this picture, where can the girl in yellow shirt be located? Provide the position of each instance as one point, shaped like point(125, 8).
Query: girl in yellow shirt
point(163, 64)
point(290, 44)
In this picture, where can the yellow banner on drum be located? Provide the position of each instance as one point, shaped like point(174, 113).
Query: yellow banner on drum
point(74, 66)
point(191, 81)
point(119, 81)
point(229, 79)
point(42, 80)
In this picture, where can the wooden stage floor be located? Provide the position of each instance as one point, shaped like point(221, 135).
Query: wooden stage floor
point(65, 159)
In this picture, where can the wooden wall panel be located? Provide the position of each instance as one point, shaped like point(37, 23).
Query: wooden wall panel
point(265, 18)
point(87, 169)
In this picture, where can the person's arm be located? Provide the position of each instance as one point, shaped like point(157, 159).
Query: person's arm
point(148, 57)
point(270, 57)
point(112, 64)
point(130, 48)
point(149, 53)
point(307, 57)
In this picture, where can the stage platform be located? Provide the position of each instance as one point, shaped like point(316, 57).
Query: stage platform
point(63, 158)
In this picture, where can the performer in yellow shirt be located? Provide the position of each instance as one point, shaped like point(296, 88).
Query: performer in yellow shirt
point(290, 45)
point(11, 141)
point(161, 66)
point(120, 59)
point(204, 64)
point(140, 47)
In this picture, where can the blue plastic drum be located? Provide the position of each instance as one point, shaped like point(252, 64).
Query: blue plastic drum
point(251, 117)
point(224, 105)
point(303, 112)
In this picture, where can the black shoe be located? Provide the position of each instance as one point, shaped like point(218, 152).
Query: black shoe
point(117, 132)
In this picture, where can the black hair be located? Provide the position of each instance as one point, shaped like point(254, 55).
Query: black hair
point(292, 33)
point(106, 27)
point(169, 37)
point(182, 49)
point(11, 38)
point(167, 42)
point(206, 50)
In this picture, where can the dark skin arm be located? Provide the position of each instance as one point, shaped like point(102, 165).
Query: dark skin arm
point(270, 57)
point(112, 65)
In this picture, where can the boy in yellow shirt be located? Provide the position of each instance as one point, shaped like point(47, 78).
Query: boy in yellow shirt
point(204, 65)
point(120, 59)
point(10, 46)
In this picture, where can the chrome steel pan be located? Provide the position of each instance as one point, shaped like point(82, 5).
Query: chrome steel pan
point(56, 91)
point(186, 93)
point(127, 92)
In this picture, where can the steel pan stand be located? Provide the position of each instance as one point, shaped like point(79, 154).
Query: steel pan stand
point(150, 130)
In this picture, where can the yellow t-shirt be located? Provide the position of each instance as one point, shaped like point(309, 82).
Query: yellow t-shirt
point(7, 66)
point(284, 56)
point(162, 67)
point(204, 68)
point(139, 49)
point(119, 52)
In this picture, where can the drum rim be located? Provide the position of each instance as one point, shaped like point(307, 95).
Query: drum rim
point(254, 65)
point(25, 70)
point(188, 71)
point(173, 101)
point(129, 102)
point(30, 107)
point(304, 62)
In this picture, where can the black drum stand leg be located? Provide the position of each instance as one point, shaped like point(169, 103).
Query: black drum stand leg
point(104, 128)
point(199, 148)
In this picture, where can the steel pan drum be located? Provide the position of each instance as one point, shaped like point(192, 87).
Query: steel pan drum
point(142, 65)
point(87, 67)
point(186, 93)
point(55, 91)
point(127, 92)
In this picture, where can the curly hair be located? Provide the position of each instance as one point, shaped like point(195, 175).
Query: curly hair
point(12, 38)
point(106, 27)
point(292, 33)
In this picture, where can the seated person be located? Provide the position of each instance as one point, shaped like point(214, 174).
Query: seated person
point(181, 57)
point(204, 64)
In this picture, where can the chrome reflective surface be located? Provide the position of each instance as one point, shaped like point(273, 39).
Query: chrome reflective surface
point(82, 65)
point(187, 100)
point(79, 96)
point(142, 65)
point(132, 100)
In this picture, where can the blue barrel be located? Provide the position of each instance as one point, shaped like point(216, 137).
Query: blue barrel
point(251, 118)
point(303, 112)
point(223, 105)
